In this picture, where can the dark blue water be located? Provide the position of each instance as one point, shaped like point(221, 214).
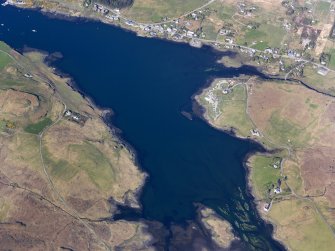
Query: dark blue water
point(148, 82)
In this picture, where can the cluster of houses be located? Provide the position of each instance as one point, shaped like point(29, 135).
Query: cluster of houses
point(214, 95)
point(172, 29)
point(179, 30)
point(213, 101)
point(276, 189)
point(100, 9)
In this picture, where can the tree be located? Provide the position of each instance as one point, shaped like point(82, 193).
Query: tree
point(116, 3)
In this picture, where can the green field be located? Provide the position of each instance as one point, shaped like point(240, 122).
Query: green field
point(234, 115)
point(233, 110)
point(301, 227)
point(155, 10)
point(4, 47)
point(3, 124)
point(95, 164)
point(263, 174)
point(322, 10)
point(4, 60)
point(223, 11)
point(323, 6)
point(294, 180)
point(59, 168)
point(261, 46)
point(27, 150)
point(321, 83)
point(265, 35)
point(209, 31)
point(284, 132)
point(38, 127)
point(226, 12)
point(87, 158)
point(332, 59)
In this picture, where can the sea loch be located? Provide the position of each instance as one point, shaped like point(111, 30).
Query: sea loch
point(148, 83)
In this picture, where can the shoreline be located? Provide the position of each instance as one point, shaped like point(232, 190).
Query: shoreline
point(56, 14)
point(272, 215)
point(61, 95)
point(249, 188)
point(270, 150)
point(118, 132)
point(204, 213)
point(105, 113)
point(201, 114)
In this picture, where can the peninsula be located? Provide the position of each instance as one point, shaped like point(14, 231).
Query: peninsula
point(293, 180)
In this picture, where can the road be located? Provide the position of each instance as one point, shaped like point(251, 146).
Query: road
point(288, 156)
point(208, 41)
point(274, 54)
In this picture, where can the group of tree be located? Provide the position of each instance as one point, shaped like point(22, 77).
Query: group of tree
point(116, 3)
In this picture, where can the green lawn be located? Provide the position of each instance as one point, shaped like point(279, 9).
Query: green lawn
point(39, 126)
